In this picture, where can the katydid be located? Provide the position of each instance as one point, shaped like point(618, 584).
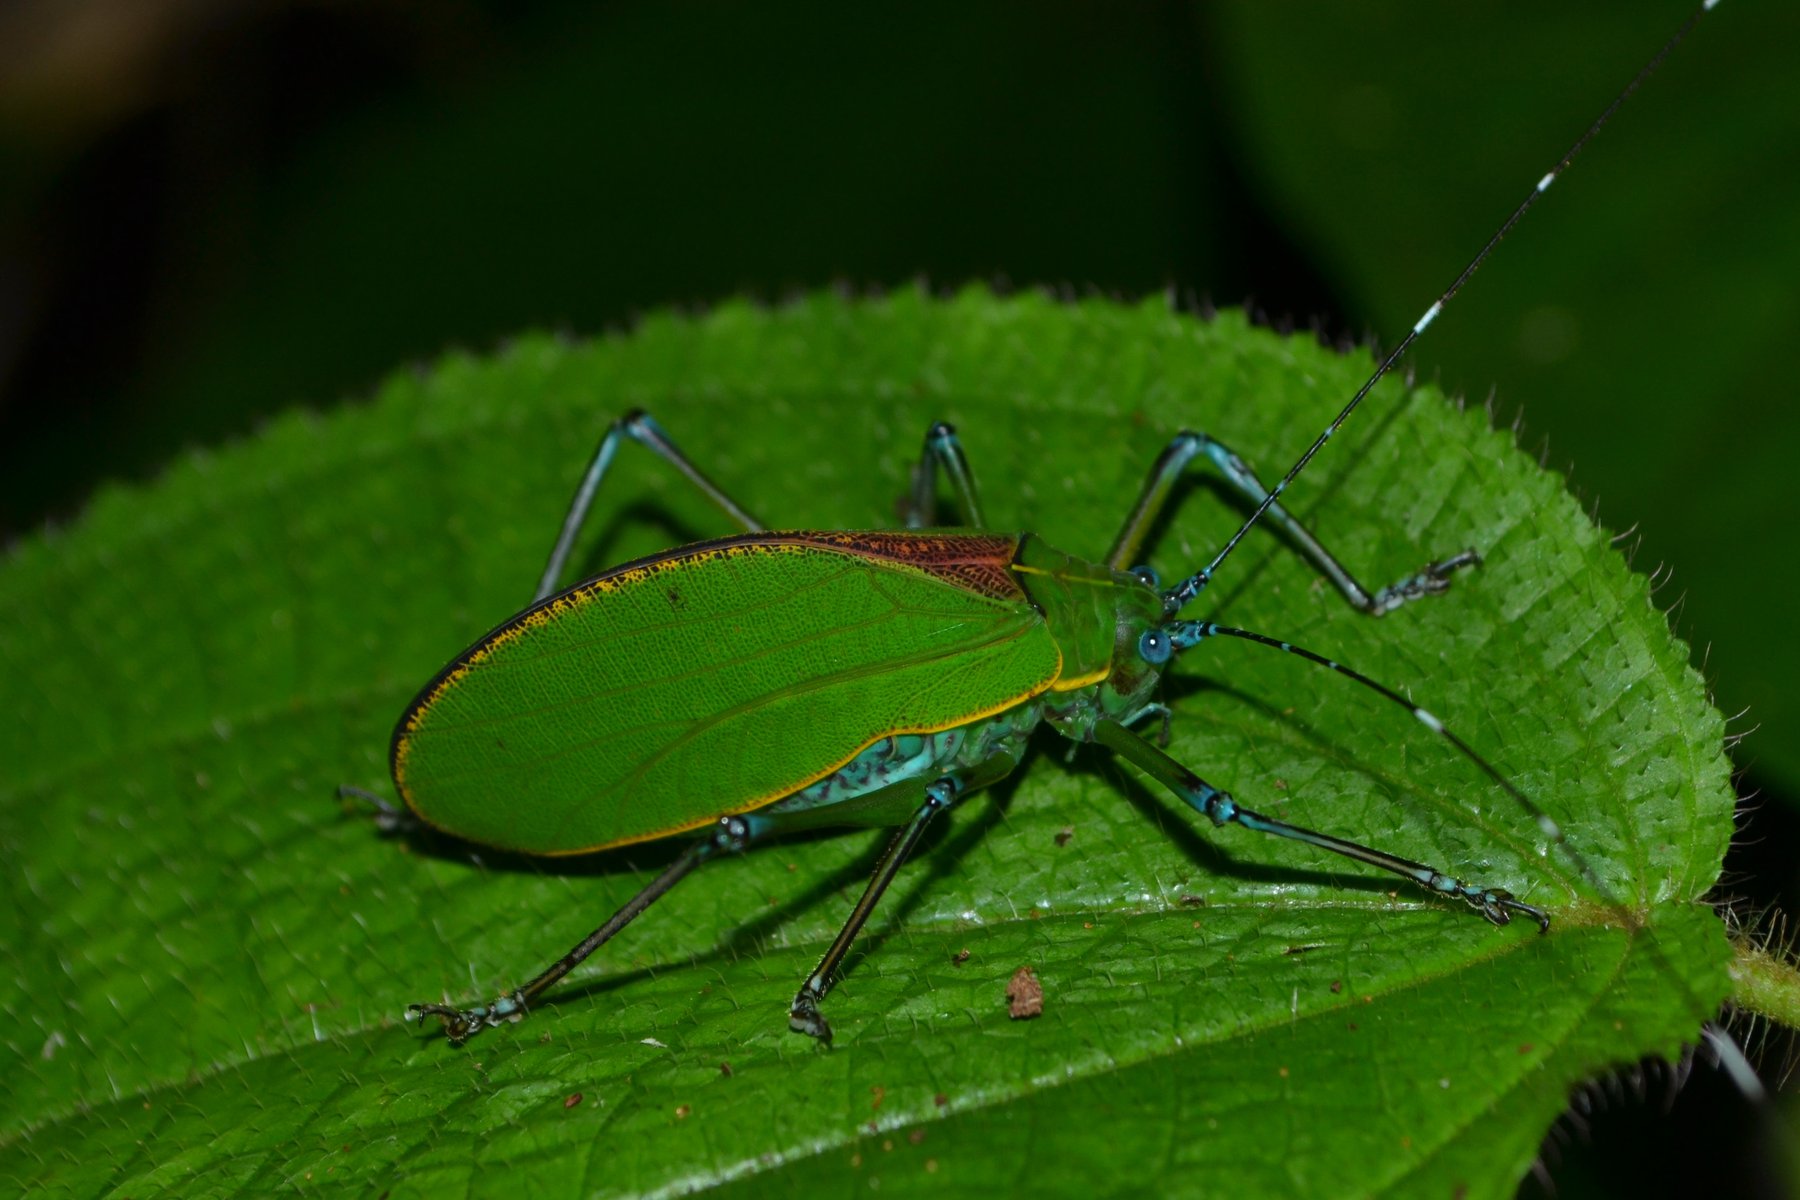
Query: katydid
point(754, 685)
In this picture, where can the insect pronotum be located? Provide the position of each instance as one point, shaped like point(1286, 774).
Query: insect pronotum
point(605, 719)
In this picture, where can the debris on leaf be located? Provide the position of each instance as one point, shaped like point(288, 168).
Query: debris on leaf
point(960, 957)
point(1024, 995)
point(1065, 835)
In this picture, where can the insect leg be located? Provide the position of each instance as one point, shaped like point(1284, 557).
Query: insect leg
point(943, 451)
point(1496, 904)
point(461, 1024)
point(1186, 446)
point(804, 1015)
point(641, 428)
point(389, 819)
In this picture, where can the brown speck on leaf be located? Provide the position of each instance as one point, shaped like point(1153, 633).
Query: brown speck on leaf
point(1189, 900)
point(1526, 1047)
point(931, 1166)
point(1337, 986)
point(1065, 835)
point(940, 1099)
point(682, 1111)
point(1281, 785)
point(725, 1069)
point(916, 1136)
point(1024, 995)
point(572, 1099)
point(887, 1144)
point(1284, 1072)
point(960, 957)
point(880, 1094)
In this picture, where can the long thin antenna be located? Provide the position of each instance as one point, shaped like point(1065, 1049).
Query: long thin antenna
point(1178, 596)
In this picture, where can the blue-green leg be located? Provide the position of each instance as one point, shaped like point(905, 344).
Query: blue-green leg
point(641, 428)
point(460, 1024)
point(1187, 446)
point(1217, 806)
point(804, 1015)
point(943, 452)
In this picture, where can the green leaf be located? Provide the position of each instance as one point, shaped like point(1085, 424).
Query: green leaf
point(204, 978)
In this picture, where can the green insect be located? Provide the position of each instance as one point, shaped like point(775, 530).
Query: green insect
point(756, 685)
point(772, 682)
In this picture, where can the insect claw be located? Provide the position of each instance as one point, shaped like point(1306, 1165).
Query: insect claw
point(1432, 579)
point(805, 1017)
point(461, 1024)
point(1499, 906)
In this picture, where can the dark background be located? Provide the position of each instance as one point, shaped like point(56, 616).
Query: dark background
point(211, 211)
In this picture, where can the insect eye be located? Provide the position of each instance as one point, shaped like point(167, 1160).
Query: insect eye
point(1147, 576)
point(1155, 646)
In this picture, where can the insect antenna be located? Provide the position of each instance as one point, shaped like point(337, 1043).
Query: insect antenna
point(1182, 593)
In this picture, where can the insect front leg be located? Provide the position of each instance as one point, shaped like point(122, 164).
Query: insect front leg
point(1187, 446)
point(460, 1024)
point(641, 428)
point(943, 452)
point(1496, 904)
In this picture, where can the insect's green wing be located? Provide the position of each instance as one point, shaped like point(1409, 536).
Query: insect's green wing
point(713, 679)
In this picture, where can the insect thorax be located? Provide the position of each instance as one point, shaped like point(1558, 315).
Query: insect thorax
point(1097, 616)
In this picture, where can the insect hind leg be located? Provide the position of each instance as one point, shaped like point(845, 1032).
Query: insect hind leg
point(1188, 446)
point(943, 452)
point(640, 427)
